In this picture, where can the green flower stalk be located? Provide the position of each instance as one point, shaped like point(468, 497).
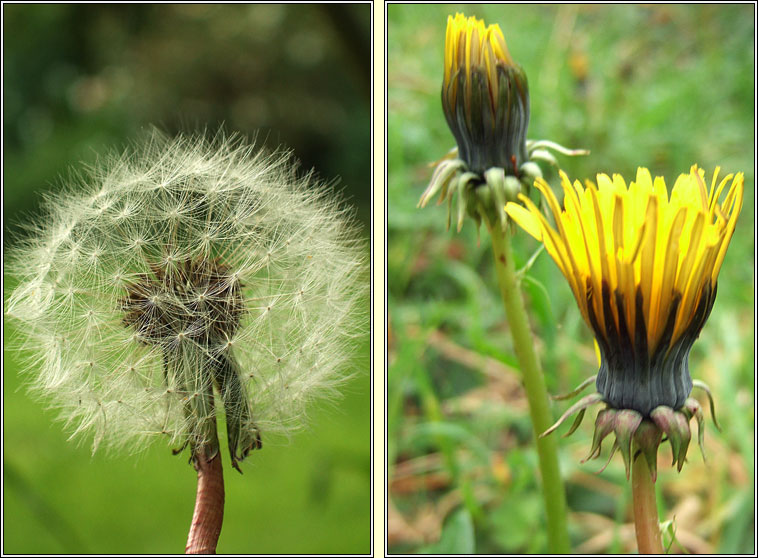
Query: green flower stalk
point(182, 278)
point(642, 263)
point(485, 98)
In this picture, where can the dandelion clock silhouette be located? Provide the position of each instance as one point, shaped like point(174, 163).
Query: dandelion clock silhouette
point(183, 278)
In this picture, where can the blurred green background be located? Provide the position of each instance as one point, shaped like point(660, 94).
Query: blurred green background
point(660, 86)
point(80, 79)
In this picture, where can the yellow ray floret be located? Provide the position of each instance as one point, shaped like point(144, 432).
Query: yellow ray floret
point(643, 239)
point(468, 43)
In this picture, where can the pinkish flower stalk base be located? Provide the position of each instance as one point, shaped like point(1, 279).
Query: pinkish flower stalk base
point(646, 524)
point(209, 505)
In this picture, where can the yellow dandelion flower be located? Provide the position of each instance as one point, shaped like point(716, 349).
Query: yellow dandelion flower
point(643, 263)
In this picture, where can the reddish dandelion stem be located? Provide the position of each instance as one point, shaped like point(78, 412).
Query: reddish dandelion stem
point(645, 510)
point(209, 506)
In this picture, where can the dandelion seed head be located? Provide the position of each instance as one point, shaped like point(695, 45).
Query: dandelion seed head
point(184, 269)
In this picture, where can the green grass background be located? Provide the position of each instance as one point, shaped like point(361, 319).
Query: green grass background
point(79, 79)
point(659, 86)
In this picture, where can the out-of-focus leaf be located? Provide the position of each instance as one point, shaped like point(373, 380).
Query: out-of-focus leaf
point(457, 536)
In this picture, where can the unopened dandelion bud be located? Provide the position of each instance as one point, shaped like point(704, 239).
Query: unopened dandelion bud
point(485, 96)
point(485, 99)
